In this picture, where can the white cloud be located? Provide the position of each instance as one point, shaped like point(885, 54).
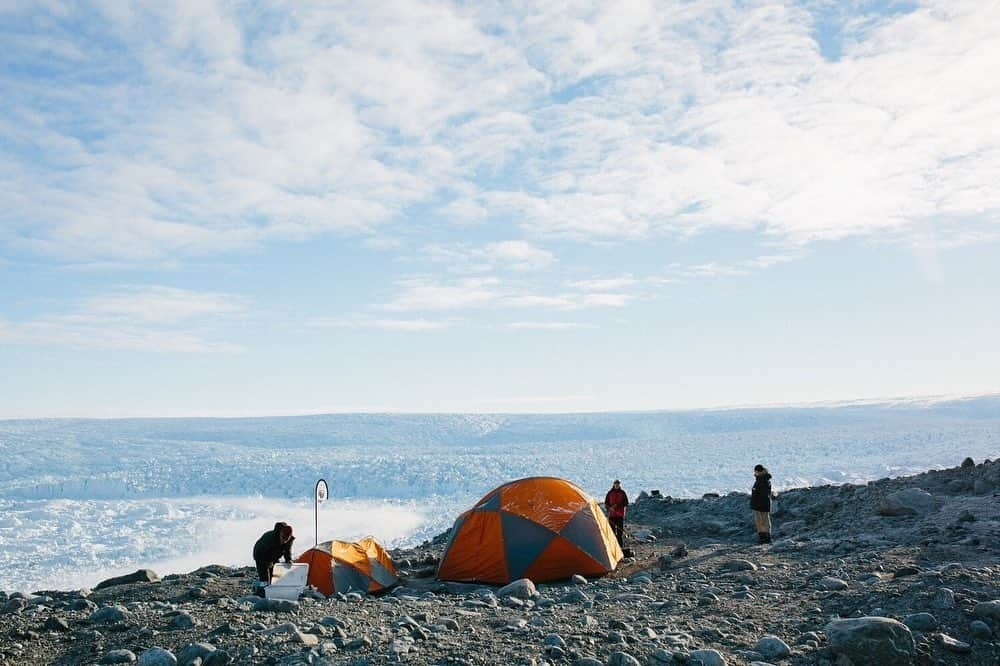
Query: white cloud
point(152, 318)
point(504, 255)
point(414, 325)
point(188, 128)
point(159, 304)
point(419, 294)
point(603, 284)
point(548, 325)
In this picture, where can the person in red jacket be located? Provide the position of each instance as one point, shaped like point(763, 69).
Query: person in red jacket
point(616, 501)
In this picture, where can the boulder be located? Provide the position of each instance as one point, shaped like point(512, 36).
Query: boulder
point(708, 657)
point(195, 651)
point(109, 615)
point(117, 657)
point(921, 622)
point(988, 611)
point(772, 647)
point(157, 656)
point(908, 502)
point(140, 576)
point(872, 640)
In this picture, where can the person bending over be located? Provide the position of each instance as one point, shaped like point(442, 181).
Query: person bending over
point(269, 549)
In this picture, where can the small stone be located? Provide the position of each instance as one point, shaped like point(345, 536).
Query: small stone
point(361, 643)
point(953, 645)
point(118, 657)
point(56, 624)
point(577, 579)
point(554, 640)
point(738, 565)
point(902, 572)
point(574, 596)
point(832, 584)
point(523, 588)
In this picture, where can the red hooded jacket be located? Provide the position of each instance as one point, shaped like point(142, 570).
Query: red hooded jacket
point(616, 500)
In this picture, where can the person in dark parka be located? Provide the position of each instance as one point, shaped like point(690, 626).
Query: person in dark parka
point(760, 502)
point(270, 548)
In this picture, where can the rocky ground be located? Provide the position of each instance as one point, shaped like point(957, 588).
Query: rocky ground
point(898, 571)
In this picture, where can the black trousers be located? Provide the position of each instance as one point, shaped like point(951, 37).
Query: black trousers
point(265, 571)
point(618, 527)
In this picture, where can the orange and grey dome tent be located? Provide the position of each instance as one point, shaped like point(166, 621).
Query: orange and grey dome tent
point(342, 566)
point(542, 528)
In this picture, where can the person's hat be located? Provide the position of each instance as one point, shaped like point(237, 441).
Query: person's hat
point(617, 482)
point(758, 468)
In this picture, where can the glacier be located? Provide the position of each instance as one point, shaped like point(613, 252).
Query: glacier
point(82, 500)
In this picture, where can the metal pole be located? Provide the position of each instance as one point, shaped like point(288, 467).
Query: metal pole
point(320, 495)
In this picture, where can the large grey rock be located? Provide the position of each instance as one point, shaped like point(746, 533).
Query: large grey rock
point(988, 610)
point(623, 659)
point(872, 640)
point(188, 655)
point(117, 657)
point(907, 502)
point(772, 647)
point(13, 606)
point(157, 656)
point(520, 589)
point(944, 598)
point(183, 620)
point(980, 630)
point(140, 576)
point(708, 657)
point(921, 622)
point(109, 614)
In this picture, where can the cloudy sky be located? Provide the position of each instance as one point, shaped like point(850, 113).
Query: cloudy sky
point(214, 207)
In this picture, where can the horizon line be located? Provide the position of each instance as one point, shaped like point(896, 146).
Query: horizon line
point(925, 399)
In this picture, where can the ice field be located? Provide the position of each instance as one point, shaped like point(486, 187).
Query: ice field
point(82, 500)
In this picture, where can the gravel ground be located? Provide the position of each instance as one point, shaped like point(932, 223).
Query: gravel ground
point(898, 571)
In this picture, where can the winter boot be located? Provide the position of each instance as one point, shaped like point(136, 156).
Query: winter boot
point(765, 537)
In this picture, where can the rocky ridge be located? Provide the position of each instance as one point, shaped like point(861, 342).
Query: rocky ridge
point(897, 571)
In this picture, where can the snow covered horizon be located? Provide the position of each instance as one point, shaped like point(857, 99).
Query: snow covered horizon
point(84, 499)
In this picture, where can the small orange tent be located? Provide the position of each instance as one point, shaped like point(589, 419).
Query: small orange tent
point(542, 528)
point(342, 566)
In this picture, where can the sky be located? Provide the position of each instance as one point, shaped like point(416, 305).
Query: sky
point(235, 208)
